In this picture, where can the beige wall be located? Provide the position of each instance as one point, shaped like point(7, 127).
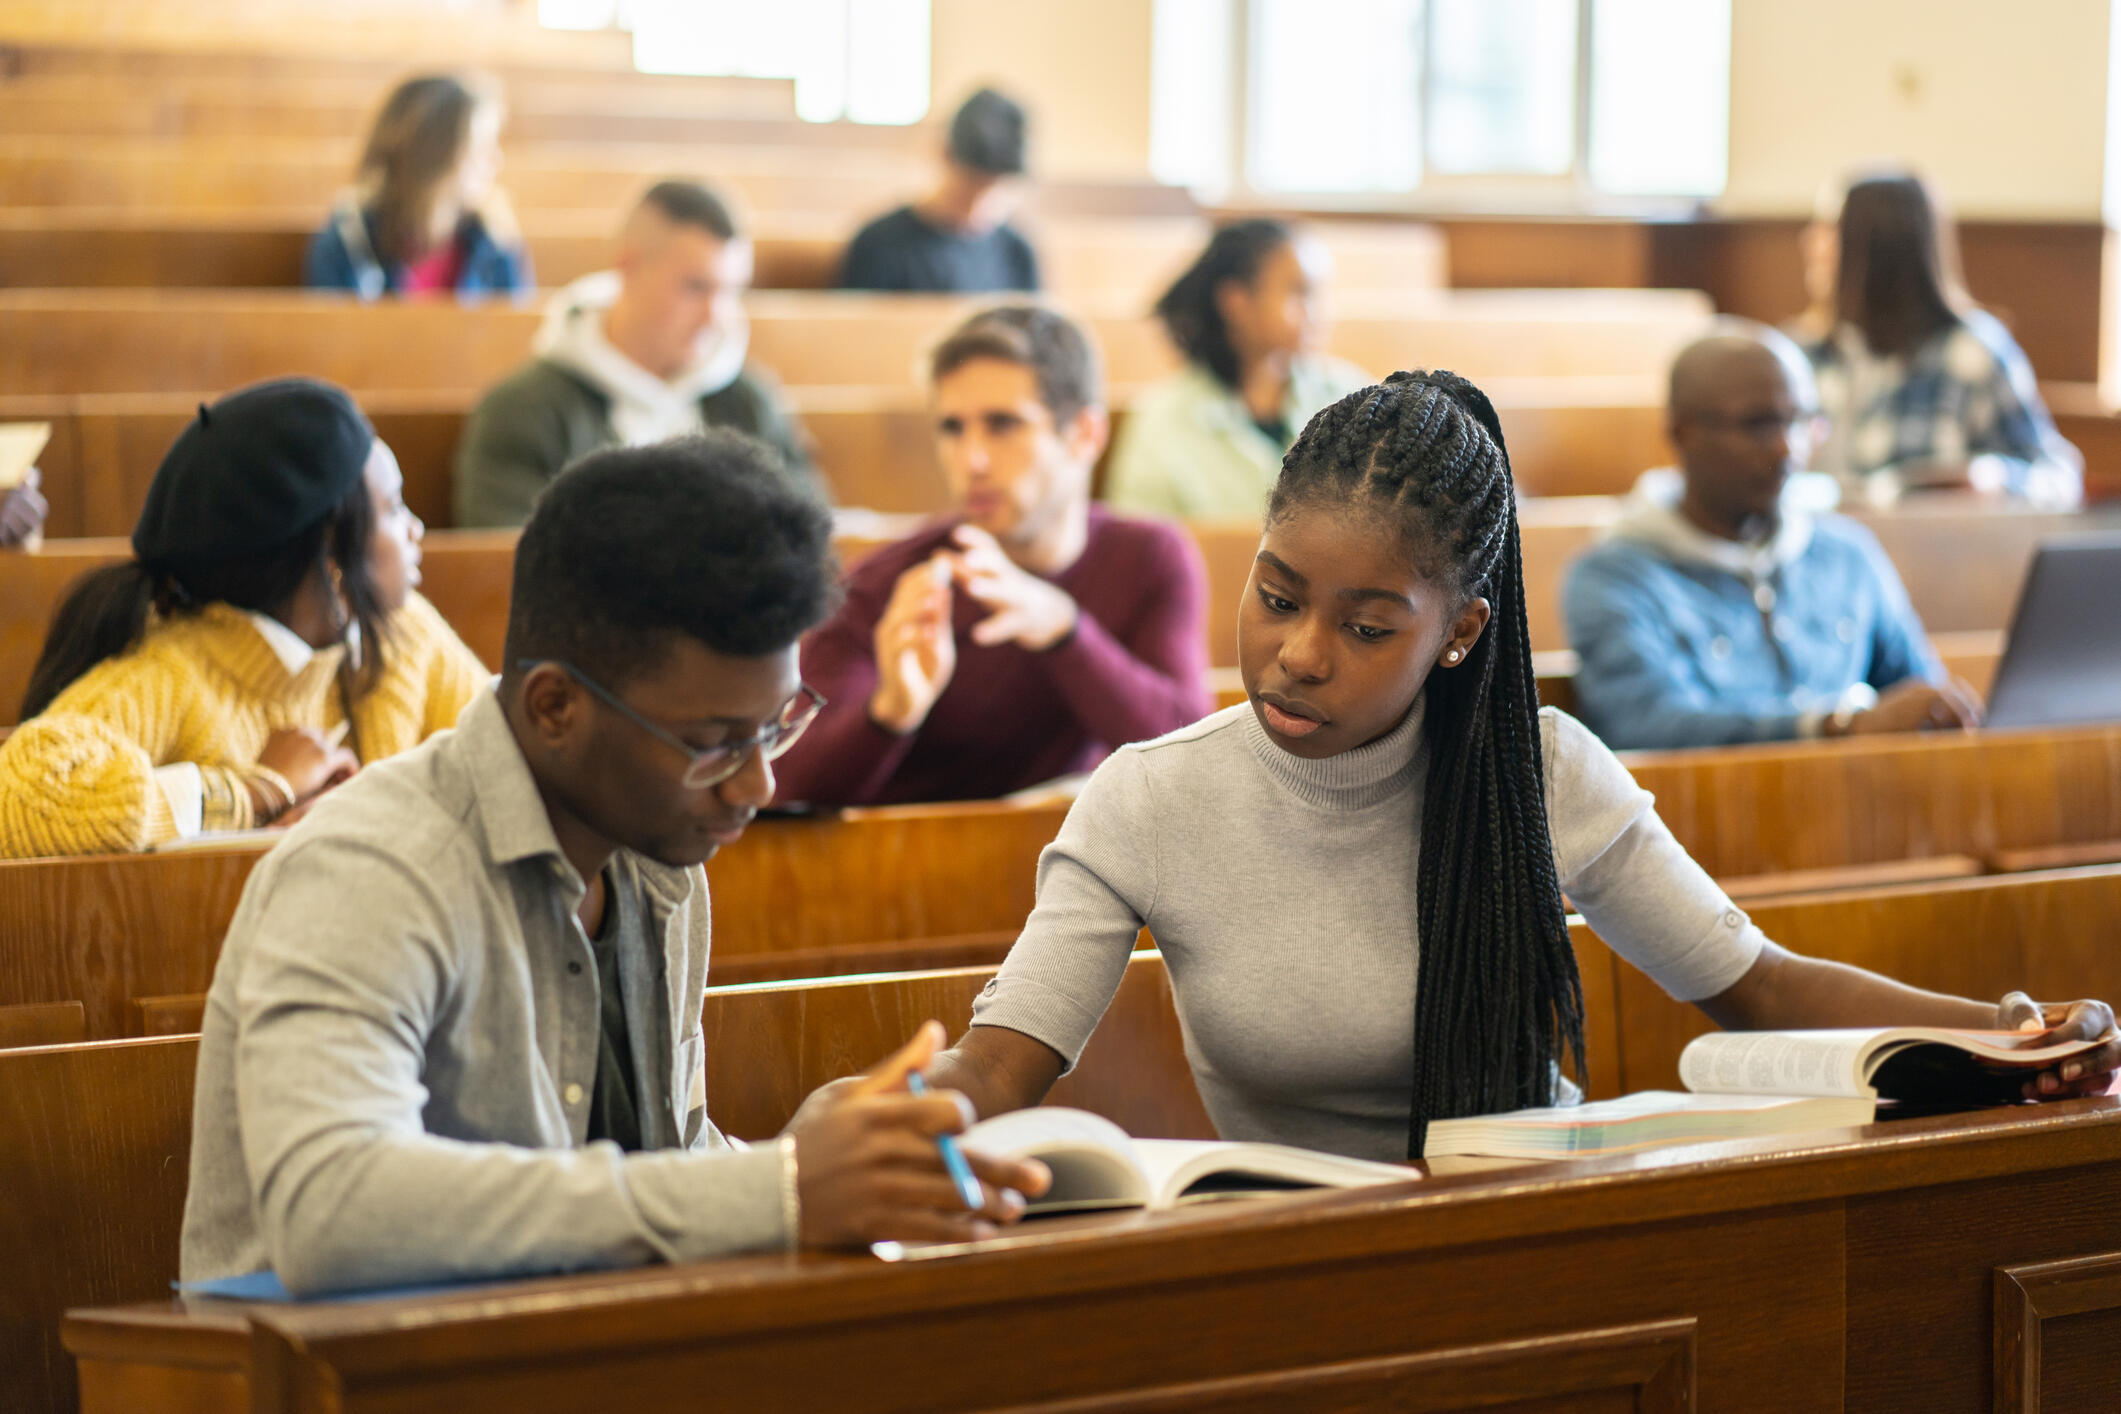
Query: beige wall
point(1080, 66)
point(2003, 104)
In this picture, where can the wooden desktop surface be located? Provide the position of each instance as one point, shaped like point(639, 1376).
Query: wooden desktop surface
point(1949, 1263)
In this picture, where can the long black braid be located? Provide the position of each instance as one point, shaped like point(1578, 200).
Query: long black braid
point(1497, 996)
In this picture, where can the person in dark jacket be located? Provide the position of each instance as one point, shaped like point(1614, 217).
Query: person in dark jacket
point(957, 239)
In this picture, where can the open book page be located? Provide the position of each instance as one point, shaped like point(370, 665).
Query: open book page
point(1777, 1063)
point(1907, 1062)
point(1199, 1171)
point(1094, 1163)
point(20, 443)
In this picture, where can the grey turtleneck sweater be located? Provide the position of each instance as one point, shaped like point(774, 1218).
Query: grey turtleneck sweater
point(1281, 891)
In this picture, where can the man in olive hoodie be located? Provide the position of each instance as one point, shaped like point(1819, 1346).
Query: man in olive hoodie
point(652, 349)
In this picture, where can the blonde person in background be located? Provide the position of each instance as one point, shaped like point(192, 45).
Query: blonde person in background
point(261, 646)
point(1922, 389)
point(1249, 316)
point(425, 214)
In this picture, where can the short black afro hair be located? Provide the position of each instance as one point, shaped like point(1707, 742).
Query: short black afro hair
point(709, 537)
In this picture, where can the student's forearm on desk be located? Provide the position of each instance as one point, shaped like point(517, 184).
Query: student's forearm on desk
point(1785, 991)
point(997, 1069)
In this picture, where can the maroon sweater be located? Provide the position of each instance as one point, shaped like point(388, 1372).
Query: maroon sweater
point(1135, 667)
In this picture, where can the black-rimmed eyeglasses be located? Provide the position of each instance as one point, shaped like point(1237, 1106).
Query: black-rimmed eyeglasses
point(715, 764)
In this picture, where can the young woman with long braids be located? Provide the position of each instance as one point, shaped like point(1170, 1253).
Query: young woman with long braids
point(1356, 876)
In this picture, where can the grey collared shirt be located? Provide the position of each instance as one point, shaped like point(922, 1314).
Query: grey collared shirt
point(401, 1046)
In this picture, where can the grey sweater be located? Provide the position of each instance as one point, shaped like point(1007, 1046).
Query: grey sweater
point(1281, 891)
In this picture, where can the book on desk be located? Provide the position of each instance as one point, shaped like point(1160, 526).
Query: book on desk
point(1751, 1084)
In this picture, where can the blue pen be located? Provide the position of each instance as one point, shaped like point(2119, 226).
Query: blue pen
point(953, 1157)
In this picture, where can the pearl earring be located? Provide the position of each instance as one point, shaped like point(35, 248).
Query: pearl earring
point(1453, 656)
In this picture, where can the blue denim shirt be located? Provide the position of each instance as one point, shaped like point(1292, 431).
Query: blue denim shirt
point(1677, 647)
point(342, 257)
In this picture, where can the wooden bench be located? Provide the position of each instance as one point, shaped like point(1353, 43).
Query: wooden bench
point(918, 886)
point(1129, 260)
point(109, 341)
point(911, 886)
point(874, 445)
point(467, 576)
point(239, 175)
point(768, 1046)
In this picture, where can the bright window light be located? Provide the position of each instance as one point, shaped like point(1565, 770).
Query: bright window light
point(1660, 97)
point(1336, 95)
point(864, 60)
point(578, 14)
point(1191, 56)
point(1502, 75)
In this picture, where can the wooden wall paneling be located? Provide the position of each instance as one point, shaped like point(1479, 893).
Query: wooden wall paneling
point(2058, 1326)
point(94, 1155)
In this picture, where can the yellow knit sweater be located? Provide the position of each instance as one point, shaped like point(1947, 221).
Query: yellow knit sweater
point(207, 688)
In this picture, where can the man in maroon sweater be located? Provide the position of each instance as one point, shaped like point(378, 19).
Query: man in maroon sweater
point(1027, 634)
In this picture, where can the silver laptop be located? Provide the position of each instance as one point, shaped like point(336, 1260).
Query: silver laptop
point(2062, 662)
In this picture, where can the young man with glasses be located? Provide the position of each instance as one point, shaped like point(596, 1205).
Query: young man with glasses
point(1718, 609)
point(455, 1028)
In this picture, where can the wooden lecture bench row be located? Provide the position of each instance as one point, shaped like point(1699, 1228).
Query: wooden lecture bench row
point(234, 175)
point(122, 935)
point(73, 342)
point(1128, 260)
point(148, 38)
point(1962, 571)
point(875, 446)
point(1962, 568)
point(1859, 1268)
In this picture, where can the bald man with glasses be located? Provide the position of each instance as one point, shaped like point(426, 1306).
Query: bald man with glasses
point(454, 1031)
point(1721, 607)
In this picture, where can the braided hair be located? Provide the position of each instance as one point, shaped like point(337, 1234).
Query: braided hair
point(1497, 995)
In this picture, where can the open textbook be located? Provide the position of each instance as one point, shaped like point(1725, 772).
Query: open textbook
point(1752, 1083)
point(1096, 1165)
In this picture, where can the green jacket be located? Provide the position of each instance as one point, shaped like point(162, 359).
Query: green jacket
point(542, 417)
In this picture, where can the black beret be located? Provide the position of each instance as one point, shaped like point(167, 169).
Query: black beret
point(987, 134)
point(253, 472)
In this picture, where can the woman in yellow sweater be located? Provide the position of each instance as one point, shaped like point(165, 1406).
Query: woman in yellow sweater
point(264, 641)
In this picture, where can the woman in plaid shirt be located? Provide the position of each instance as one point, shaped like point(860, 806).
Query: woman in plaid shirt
point(1923, 390)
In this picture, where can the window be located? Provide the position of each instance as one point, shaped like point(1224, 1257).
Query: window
point(863, 60)
point(1547, 101)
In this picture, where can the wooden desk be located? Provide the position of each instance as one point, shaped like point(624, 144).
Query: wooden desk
point(119, 341)
point(1962, 1263)
point(874, 445)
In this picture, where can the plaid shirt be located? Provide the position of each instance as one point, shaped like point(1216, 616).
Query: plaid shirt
point(1962, 407)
